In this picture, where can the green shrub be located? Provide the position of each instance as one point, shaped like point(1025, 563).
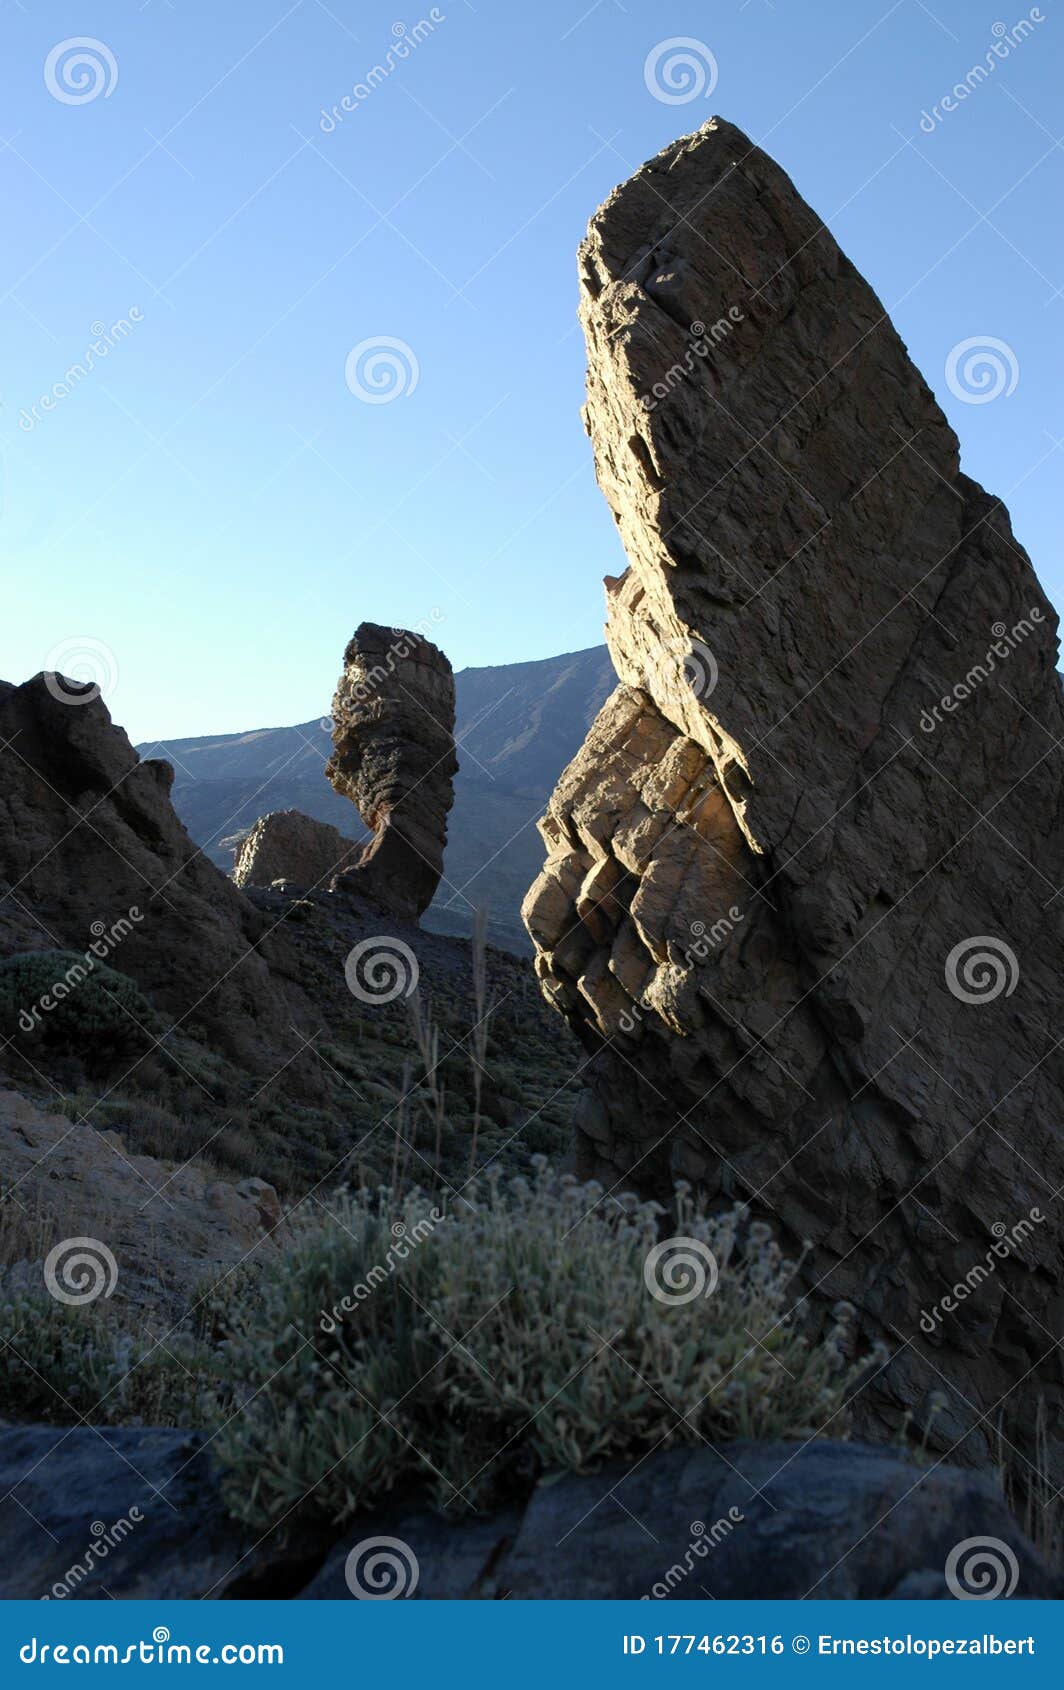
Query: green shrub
point(512, 1337)
point(70, 1002)
point(62, 1361)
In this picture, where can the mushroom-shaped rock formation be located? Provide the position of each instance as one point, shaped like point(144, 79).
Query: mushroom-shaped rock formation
point(394, 757)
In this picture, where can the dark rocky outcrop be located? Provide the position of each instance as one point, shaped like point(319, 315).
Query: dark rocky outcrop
point(801, 895)
point(393, 756)
point(124, 1512)
point(774, 1520)
point(92, 852)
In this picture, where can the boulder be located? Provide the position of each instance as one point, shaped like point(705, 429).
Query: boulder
point(756, 1521)
point(801, 898)
point(759, 1521)
point(394, 757)
point(127, 1512)
point(286, 845)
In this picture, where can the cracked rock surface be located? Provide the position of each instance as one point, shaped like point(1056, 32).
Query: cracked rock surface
point(801, 910)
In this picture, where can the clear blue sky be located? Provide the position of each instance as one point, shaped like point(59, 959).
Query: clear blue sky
point(216, 506)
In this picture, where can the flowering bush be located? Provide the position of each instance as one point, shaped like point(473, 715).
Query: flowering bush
point(538, 1326)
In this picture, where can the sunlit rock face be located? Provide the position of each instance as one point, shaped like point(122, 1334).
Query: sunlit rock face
point(800, 892)
point(286, 845)
point(394, 757)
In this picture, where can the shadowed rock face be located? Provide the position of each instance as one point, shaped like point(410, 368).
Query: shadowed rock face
point(88, 835)
point(394, 757)
point(803, 911)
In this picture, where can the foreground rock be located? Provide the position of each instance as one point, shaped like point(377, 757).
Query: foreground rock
point(91, 852)
point(805, 911)
point(393, 756)
point(286, 845)
point(125, 1512)
point(774, 1520)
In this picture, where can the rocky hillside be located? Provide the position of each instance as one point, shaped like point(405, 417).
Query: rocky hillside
point(517, 725)
point(142, 992)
